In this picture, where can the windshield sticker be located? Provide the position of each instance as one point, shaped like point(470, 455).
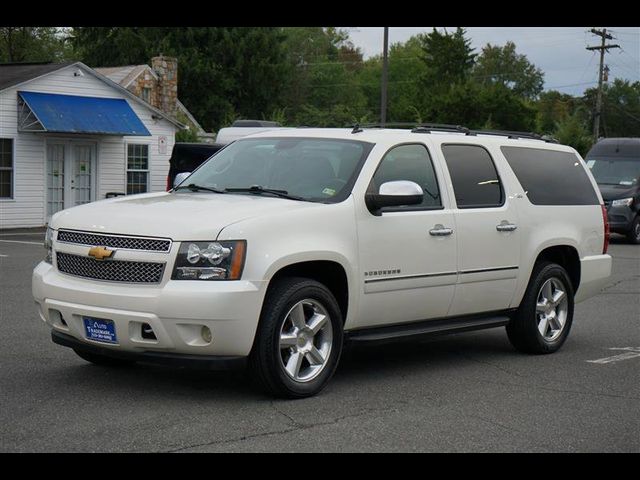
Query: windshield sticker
point(329, 191)
point(590, 163)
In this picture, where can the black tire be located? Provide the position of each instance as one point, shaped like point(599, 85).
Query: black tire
point(103, 360)
point(522, 330)
point(265, 358)
point(634, 234)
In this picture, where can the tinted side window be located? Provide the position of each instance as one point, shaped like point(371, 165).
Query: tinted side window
point(551, 177)
point(474, 176)
point(409, 162)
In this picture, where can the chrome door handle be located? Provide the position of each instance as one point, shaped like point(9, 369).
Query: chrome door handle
point(440, 230)
point(506, 227)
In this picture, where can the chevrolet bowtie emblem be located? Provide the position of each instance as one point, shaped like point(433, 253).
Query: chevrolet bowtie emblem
point(100, 253)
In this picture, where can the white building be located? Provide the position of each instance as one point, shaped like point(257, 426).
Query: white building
point(69, 135)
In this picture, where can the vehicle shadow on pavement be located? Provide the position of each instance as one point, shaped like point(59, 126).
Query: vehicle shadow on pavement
point(367, 363)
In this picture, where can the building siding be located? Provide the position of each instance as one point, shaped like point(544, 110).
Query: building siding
point(28, 206)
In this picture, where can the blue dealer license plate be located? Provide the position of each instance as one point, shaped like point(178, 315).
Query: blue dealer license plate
point(100, 329)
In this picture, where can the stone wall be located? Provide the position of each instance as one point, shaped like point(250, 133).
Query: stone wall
point(166, 68)
point(149, 82)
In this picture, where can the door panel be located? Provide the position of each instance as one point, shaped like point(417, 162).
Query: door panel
point(408, 273)
point(487, 231)
point(488, 260)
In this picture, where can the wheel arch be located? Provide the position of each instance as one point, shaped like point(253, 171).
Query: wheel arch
point(331, 273)
point(567, 257)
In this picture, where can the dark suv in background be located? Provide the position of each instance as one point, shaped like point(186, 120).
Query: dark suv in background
point(615, 164)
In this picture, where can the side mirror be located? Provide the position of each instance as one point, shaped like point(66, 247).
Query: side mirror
point(394, 194)
point(181, 177)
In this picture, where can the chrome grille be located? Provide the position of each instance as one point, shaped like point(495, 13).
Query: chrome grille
point(110, 270)
point(115, 241)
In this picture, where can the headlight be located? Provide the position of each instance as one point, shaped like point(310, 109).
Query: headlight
point(623, 202)
point(210, 260)
point(48, 244)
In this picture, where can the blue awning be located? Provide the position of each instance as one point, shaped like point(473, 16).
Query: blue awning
point(48, 112)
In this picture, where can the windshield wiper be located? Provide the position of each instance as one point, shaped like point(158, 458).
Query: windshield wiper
point(196, 188)
point(259, 189)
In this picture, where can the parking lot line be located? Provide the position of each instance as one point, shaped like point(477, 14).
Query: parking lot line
point(631, 352)
point(20, 241)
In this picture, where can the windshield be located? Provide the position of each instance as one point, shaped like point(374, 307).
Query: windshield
point(313, 169)
point(615, 171)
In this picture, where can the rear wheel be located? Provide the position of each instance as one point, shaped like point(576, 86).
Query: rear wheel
point(634, 234)
point(299, 339)
point(103, 360)
point(543, 320)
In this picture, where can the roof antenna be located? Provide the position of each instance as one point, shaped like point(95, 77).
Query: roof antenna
point(356, 128)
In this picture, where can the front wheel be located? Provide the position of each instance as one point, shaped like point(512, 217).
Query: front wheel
point(542, 322)
point(634, 234)
point(299, 338)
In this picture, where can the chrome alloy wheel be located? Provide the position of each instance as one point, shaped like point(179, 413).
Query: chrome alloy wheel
point(306, 338)
point(552, 309)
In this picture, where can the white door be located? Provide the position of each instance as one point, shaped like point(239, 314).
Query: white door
point(70, 174)
point(487, 232)
point(408, 264)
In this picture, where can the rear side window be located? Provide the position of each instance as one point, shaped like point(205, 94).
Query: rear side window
point(474, 176)
point(550, 177)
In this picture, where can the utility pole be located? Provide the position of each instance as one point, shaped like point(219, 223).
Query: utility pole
point(603, 47)
point(385, 68)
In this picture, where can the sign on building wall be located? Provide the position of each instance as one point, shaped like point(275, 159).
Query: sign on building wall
point(162, 144)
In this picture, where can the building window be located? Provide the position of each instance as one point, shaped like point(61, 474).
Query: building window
point(6, 168)
point(146, 94)
point(137, 168)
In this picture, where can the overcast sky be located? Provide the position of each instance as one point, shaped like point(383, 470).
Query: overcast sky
point(559, 51)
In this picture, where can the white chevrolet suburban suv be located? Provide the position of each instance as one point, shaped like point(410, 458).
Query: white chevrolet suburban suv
point(287, 244)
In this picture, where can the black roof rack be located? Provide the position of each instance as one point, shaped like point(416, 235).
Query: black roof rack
point(512, 134)
point(440, 127)
point(443, 127)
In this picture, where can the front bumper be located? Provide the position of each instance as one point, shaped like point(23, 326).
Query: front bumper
point(175, 310)
point(620, 218)
point(205, 362)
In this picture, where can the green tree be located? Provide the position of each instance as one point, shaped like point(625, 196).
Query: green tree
point(33, 44)
point(323, 66)
point(448, 58)
point(477, 106)
point(553, 107)
point(406, 68)
point(620, 108)
point(502, 65)
point(572, 130)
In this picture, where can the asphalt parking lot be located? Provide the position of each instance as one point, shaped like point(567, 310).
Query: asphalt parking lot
point(469, 392)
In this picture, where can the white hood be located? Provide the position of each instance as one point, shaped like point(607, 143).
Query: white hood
point(179, 216)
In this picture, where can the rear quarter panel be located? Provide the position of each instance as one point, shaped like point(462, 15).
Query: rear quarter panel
point(544, 226)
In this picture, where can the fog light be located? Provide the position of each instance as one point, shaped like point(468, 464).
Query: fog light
point(206, 334)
